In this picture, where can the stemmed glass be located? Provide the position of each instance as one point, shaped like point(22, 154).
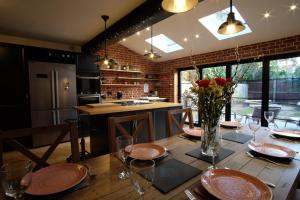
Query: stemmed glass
point(254, 125)
point(238, 119)
point(142, 175)
point(269, 116)
point(16, 178)
point(124, 148)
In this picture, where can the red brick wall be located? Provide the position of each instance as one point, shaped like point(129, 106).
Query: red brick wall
point(123, 56)
point(275, 47)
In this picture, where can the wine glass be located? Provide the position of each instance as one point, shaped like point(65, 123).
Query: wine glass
point(124, 148)
point(142, 175)
point(238, 119)
point(16, 178)
point(254, 125)
point(269, 116)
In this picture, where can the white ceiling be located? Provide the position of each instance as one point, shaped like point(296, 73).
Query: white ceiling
point(65, 21)
point(282, 23)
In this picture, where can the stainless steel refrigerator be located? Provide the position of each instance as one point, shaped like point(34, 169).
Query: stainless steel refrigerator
point(52, 96)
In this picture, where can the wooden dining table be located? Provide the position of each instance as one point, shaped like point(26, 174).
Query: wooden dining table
point(107, 185)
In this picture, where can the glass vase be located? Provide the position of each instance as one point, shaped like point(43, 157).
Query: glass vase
point(211, 138)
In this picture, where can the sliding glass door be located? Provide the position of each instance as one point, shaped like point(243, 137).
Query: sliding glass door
point(284, 92)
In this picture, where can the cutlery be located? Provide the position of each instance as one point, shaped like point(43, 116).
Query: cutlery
point(271, 185)
point(262, 158)
point(189, 195)
point(184, 137)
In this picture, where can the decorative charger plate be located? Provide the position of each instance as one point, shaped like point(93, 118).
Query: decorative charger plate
point(147, 151)
point(272, 150)
point(227, 184)
point(194, 132)
point(56, 178)
point(229, 124)
point(286, 133)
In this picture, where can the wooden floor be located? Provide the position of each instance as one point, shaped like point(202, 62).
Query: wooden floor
point(61, 153)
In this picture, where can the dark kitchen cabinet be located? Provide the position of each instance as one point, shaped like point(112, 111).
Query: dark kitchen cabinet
point(14, 102)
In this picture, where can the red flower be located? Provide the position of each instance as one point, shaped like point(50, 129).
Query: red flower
point(203, 83)
point(220, 81)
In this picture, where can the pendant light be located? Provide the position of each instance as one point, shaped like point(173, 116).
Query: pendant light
point(105, 60)
point(178, 6)
point(152, 55)
point(231, 25)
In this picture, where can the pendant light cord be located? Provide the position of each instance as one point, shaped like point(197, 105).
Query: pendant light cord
point(105, 40)
point(230, 6)
point(151, 48)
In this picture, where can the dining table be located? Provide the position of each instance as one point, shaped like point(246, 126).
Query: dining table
point(107, 185)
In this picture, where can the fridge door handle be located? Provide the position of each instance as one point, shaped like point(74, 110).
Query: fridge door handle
point(57, 89)
point(53, 89)
point(57, 117)
point(54, 117)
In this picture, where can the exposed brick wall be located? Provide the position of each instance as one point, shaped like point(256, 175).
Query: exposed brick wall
point(274, 47)
point(166, 70)
point(123, 56)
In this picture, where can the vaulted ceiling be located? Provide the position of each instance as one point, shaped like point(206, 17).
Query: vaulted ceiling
point(79, 21)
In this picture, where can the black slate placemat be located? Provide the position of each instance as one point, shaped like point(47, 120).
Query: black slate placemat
point(237, 137)
point(173, 173)
point(224, 153)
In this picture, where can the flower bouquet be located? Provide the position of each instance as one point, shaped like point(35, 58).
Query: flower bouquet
point(210, 96)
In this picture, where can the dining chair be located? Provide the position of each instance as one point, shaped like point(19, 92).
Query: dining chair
point(176, 120)
point(138, 124)
point(10, 138)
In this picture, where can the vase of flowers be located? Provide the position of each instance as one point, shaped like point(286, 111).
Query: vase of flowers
point(210, 96)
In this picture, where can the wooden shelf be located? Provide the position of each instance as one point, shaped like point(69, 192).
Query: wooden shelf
point(118, 70)
point(121, 85)
point(139, 79)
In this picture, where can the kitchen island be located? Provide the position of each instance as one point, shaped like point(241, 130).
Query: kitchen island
point(98, 114)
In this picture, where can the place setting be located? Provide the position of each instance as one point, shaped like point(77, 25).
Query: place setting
point(192, 134)
point(51, 182)
point(164, 175)
point(235, 136)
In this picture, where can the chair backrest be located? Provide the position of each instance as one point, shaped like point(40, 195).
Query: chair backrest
point(183, 114)
point(10, 138)
point(138, 121)
point(257, 111)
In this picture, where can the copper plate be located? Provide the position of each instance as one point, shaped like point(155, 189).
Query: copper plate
point(147, 151)
point(56, 178)
point(195, 132)
point(229, 124)
point(286, 133)
point(227, 184)
point(272, 150)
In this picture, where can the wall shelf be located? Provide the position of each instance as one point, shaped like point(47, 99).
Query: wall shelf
point(138, 79)
point(121, 85)
point(118, 70)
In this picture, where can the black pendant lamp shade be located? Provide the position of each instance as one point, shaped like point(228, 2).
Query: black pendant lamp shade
point(152, 55)
point(178, 6)
point(231, 25)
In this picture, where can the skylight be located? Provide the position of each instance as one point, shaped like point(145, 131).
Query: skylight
point(213, 21)
point(164, 43)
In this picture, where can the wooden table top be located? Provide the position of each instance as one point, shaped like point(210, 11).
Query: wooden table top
point(106, 185)
point(118, 108)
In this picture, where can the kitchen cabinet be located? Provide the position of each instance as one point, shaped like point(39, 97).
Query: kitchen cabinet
point(14, 101)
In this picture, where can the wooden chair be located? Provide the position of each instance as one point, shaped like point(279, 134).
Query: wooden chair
point(171, 120)
point(138, 121)
point(9, 138)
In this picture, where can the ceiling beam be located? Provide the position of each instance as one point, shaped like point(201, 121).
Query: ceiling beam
point(150, 12)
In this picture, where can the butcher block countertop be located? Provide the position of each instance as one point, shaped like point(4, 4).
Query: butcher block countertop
point(103, 109)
